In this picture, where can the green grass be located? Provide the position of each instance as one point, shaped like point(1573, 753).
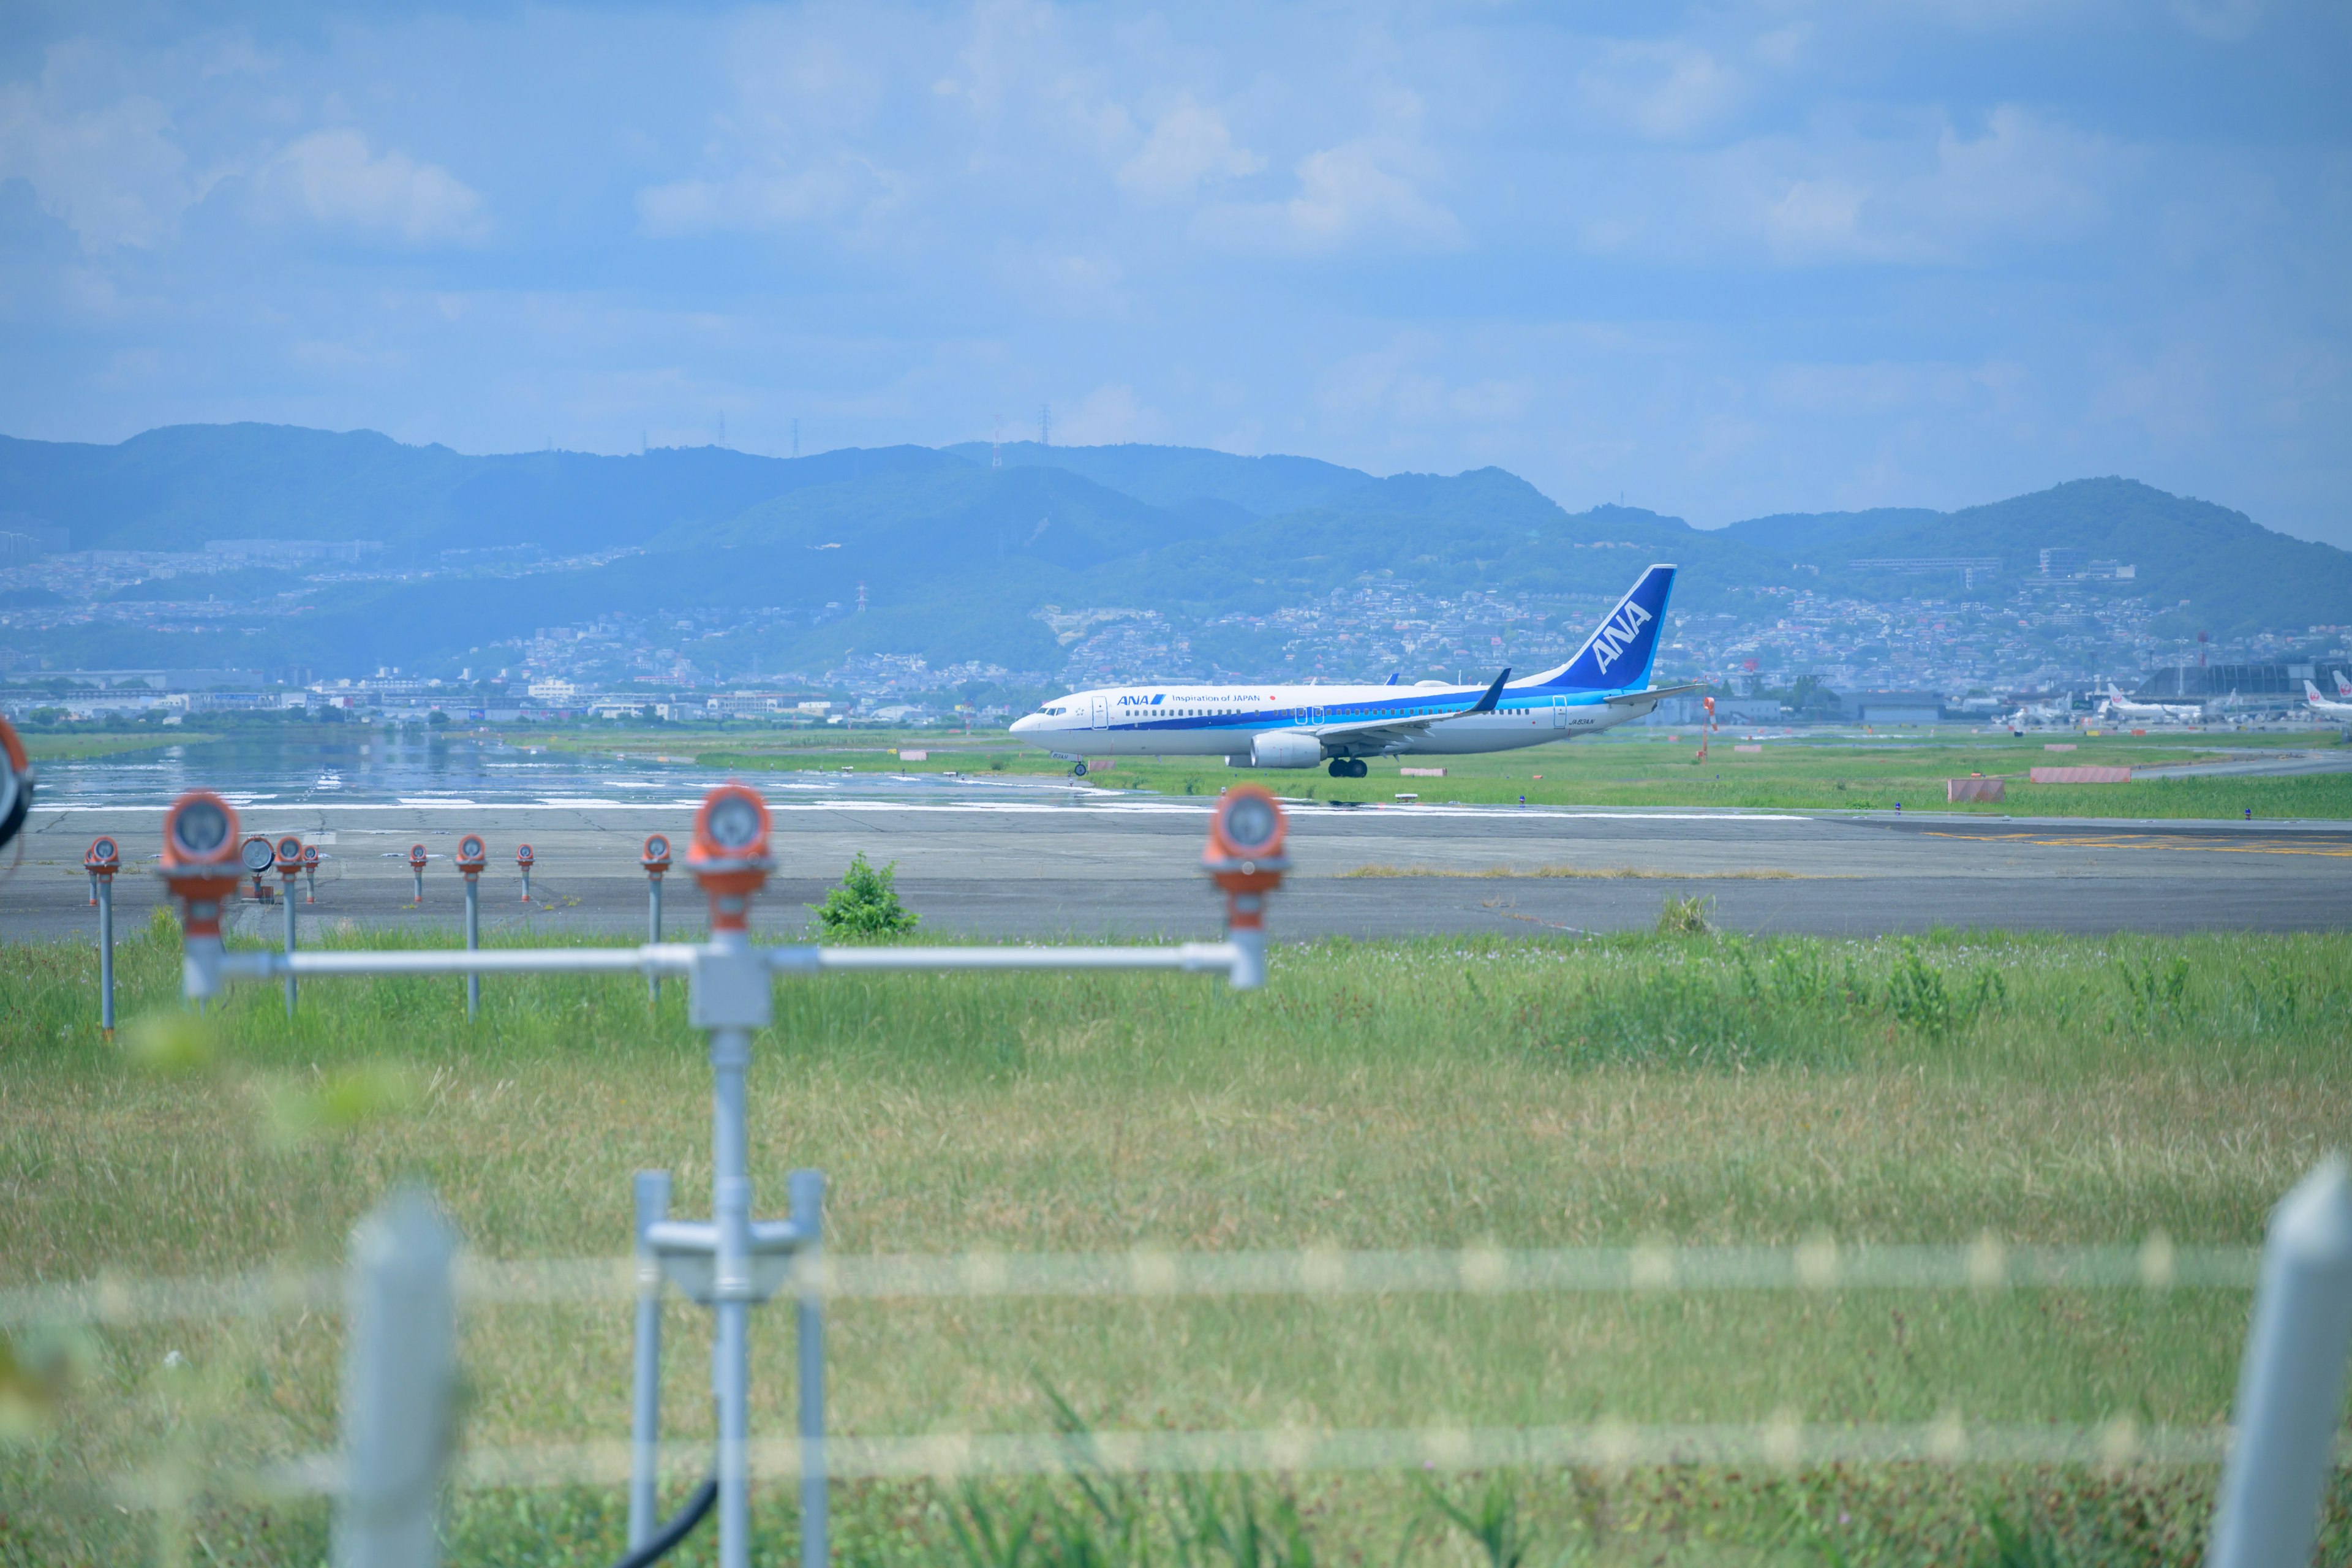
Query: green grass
point(1831, 773)
point(1525, 1093)
point(69, 745)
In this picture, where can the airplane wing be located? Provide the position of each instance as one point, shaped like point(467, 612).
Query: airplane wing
point(1655, 693)
point(1382, 731)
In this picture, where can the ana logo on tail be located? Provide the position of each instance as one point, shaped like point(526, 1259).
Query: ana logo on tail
point(1609, 642)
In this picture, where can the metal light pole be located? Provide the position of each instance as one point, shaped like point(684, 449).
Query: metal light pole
point(104, 859)
point(473, 855)
point(730, 1262)
point(656, 860)
point(289, 866)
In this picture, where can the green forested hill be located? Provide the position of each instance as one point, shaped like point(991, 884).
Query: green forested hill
point(956, 557)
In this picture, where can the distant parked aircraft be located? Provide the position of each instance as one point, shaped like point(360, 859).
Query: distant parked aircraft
point(2122, 706)
point(2343, 687)
point(2030, 715)
point(2320, 706)
point(1302, 726)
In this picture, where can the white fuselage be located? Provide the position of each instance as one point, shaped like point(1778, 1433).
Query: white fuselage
point(1225, 721)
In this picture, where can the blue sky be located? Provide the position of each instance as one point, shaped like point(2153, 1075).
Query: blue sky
point(1721, 260)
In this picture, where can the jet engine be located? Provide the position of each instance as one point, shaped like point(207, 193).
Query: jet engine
point(1285, 749)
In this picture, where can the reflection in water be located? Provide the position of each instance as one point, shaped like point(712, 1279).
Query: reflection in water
point(388, 767)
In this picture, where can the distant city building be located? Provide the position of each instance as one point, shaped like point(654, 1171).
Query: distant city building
point(1891, 706)
point(2060, 565)
point(1919, 565)
point(295, 552)
point(2220, 680)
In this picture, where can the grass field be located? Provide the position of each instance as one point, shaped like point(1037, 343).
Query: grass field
point(1525, 1094)
point(1825, 775)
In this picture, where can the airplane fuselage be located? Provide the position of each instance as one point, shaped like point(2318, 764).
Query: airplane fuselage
point(1227, 720)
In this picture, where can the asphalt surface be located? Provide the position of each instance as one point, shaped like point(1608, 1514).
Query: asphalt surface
point(1091, 864)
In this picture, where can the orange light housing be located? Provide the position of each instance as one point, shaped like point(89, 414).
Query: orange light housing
point(473, 855)
point(289, 855)
point(729, 856)
point(103, 857)
point(1246, 853)
point(656, 859)
point(523, 854)
point(416, 857)
point(200, 862)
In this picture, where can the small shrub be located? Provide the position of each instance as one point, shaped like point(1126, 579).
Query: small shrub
point(865, 903)
point(1685, 917)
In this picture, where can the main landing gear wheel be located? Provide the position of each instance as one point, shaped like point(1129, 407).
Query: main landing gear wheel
point(1078, 770)
point(1349, 768)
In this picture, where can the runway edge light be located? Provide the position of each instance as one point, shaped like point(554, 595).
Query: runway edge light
point(201, 867)
point(1247, 856)
point(729, 855)
point(16, 783)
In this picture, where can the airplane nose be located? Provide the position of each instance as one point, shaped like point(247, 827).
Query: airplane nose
point(1025, 723)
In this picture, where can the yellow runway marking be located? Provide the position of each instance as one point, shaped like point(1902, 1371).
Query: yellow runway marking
point(2154, 841)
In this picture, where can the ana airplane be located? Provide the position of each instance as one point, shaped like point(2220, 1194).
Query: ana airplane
point(1303, 726)
point(2122, 706)
point(2322, 706)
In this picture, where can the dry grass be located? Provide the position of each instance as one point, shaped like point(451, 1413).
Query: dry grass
point(1530, 1094)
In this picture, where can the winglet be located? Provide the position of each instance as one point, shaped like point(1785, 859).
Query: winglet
point(1395, 676)
point(1493, 694)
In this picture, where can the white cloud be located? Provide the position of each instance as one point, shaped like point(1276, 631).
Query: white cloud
point(1109, 414)
point(111, 170)
point(1668, 92)
point(2224, 20)
point(1188, 145)
point(1927, 194)
point(758, 200)
point(1359, 191)
point(333, 178)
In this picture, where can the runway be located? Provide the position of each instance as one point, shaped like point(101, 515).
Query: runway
point(1053, 862)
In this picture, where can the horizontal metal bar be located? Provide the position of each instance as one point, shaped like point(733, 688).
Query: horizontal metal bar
point(1190, 958)
point(678, 958)
point(668, 958)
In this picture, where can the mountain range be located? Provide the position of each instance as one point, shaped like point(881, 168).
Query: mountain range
point(958, 549)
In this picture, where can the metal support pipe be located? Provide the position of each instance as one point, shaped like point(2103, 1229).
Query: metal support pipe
point(2291, 1388)
point(1190, 958)
point(473, 943)
point(106, 956)
point(652, 932)
point(290, 981)
point(645, 1380)
point(808, 1220)
point(730, 1362)
point(399, 1378)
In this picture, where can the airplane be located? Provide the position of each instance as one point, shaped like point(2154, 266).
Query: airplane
point(2122, 706)
point(2322, 706)
point(2033, 714)
point(2343, 687)
point(1270, 726)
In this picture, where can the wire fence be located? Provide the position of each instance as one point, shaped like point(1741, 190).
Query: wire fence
point(1818, 1265)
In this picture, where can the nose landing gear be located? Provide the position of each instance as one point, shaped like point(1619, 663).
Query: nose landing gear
point(1078, 770)
point(1349, 768)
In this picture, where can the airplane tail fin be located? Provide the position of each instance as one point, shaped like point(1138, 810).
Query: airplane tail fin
point(2311, 693)
point(1617, 656)
point(2343, 685)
